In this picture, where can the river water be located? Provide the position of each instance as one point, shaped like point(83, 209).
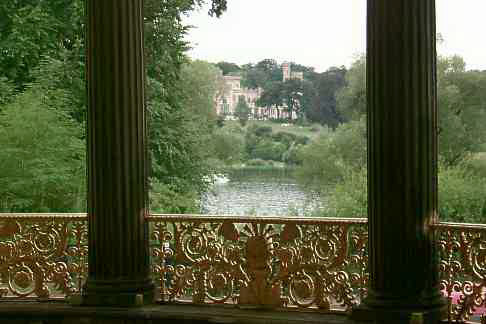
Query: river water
point(259, 192)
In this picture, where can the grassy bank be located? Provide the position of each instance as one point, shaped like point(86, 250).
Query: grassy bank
point(312, 131)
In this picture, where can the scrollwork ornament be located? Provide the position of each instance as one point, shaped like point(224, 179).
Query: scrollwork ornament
point(35, 252)
point(263, 264)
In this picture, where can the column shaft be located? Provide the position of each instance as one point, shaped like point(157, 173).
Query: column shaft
point(402, 155)
point(119, 268)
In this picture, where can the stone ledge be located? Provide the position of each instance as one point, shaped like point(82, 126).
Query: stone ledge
point(62, 313)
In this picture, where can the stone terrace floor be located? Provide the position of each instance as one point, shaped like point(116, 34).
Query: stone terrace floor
point(62, 313)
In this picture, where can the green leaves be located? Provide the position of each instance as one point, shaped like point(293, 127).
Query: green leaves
point(42, 165)
point(242, 111)
point(351, 100)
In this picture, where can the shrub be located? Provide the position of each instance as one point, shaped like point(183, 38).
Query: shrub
point(302, 140)
point(256, 162)
point(476, 164)
point(165, 198)
point(269, 150)
point(327, 160)
point(285, 138)
point(260, 131)
point(462, 195)
point(233, 128)
point(293, 155)
point(348, 198)
point(227, 147)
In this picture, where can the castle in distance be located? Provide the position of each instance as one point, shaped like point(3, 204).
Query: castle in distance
point(227, 101)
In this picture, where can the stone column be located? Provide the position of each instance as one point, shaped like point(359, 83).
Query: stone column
point(119, 269)
point(402, 160)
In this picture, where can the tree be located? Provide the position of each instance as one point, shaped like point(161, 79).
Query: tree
point(333, 155)
point(42, 160)
point(227, 146)
point(462, 110)
point(292, 93)
point(242, 110)
point(351, 100)
point(228, 68)
point(177, 138)
point(201, 83)
point(322, 94)
point(32, 30)
point(262, 74)
point(271, 97)
point(42, 42)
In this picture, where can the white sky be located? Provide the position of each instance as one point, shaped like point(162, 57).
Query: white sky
point(321, 33)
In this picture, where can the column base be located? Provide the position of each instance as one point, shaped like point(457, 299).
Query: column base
point(399, 315)
point(118, 293)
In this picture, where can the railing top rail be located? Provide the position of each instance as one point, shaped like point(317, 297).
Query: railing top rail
point(459, 226)
point(44, 216)
point(254, 219)
point(234, 218)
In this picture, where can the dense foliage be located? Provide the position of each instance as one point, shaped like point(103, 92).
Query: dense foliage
point(43, 105)
point(43, 118)
point(335, 163)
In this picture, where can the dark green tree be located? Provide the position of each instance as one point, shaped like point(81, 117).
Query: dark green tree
point(272, 96)
point(242, 110)
point(322, 94)
point(228, 68)
point(292, 95)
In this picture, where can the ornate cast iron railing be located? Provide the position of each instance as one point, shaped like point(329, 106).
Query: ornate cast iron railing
point(42, 256)
point(463, 268)
point(304, 263)
point(260, 262)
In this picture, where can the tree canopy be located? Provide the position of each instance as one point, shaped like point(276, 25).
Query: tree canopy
point(42, 81)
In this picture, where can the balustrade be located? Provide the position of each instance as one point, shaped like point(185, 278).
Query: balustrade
point(314, 264)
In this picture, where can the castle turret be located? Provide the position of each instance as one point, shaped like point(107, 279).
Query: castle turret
point(286, 71)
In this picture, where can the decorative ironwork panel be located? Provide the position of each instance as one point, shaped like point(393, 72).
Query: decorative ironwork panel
point(260, 262)
point(463, 268)
point(42, 255)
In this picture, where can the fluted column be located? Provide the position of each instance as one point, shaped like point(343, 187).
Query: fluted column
point(402, 160)
point(119, 270)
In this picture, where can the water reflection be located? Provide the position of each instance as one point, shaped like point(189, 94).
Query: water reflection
point(259, 192)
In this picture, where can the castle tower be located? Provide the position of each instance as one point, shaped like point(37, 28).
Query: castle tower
point(286, 71)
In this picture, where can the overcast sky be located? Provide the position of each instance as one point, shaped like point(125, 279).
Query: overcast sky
point(321, 33)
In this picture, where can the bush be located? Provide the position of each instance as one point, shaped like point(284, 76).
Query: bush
point(349, 197)
point(227, 147)
point(303, 140)
point(260, 131)
point(293, 155)
point(233, 128)
point(285, 138)
point(476, 164)
point(462, 195)
point(168, 199)
point(269, 150)
point(256, 162)
point(327, 160)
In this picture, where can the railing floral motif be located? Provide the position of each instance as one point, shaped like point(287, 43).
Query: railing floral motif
point(307, 263)
point(42, 256)
point(462, 249)
point(260, 262)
